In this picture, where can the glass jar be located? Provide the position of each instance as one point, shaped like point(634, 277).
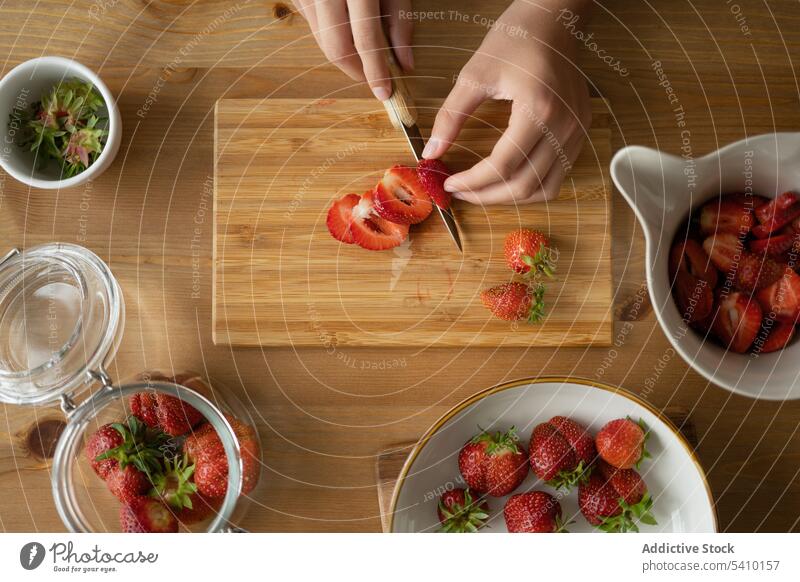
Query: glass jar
point(61, 320)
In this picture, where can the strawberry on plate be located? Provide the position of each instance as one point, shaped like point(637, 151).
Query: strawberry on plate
point(515, 301)
point(372, 232)
point(340, 216)
point(432, 174)
point(460, 512)
point(533, 512)
point(147, 515)
point(494, 464)
point(726, 214)
point(621, 443)
point(724, 249)
point(615, 500)
point(561, 452)
point(737, 321)
point(527, 250)
point(401, 198)
point(781, 300)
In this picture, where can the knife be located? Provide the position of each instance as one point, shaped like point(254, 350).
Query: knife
point(403, 115)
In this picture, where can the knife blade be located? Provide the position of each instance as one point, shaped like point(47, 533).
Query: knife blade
point(417, 144)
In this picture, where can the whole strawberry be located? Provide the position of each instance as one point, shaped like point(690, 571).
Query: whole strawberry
point(128, 483)
point(515, 301)
point(460, 512)
point(533, 512)
point(146, 515)
point(615, 500)
point(104, 439)
point(170, 414)
point(527, 250)
point(621, 443)
point(494, 464)
point(561, 452)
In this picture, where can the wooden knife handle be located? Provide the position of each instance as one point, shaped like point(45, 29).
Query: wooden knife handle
point(404, 111)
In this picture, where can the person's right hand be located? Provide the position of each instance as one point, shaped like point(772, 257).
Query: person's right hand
point(350, 34)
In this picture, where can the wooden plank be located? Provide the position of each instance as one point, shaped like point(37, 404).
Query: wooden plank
point(281, 279)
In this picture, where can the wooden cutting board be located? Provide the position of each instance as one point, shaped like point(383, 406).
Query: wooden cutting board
point(280, 278)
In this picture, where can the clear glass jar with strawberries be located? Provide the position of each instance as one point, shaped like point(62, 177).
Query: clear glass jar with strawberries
point(159, 453)
point(733, 269)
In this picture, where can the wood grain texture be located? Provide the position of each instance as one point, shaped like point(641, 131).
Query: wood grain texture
point(281, 279)
point(322, 413)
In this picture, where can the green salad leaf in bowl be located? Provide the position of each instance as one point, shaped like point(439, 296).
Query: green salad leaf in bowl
point(66, 126)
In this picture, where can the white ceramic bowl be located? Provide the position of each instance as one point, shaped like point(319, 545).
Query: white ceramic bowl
point(659, 188)
point(24, 85)
point(682, 498)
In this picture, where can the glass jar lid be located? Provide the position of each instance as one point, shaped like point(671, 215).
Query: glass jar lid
point(61, 317)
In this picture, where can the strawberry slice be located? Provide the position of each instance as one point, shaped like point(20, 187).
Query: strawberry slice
point(724, 249)
point(778, 213)
point(694, 297)
point(690, 256)
point(372, 232)
point(432, 174)
point(726, 214)
point(754, 273)
point(774, 246)
point(340, 216)
point(401, 198)
point(782, 299)
point(775, 337)
point(737, 321)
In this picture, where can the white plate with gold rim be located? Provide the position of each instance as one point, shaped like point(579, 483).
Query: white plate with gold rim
point(674, 477)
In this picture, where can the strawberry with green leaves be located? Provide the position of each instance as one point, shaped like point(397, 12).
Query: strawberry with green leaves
point(529, 251)
point(493, 463)
point(615, 500)
point(147, 515)
point(460, 511)
point(515, 301)
point(561, 452)
point(533, 512)
point(621, 443)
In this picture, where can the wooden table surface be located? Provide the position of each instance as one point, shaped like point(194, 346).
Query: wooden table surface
point(324, 414)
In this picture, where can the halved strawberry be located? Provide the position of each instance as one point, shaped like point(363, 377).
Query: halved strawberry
point(782, 299)
point(694, 297)
point(737, 321)
point(724, 249)
point(372, 232)
point(340, 217)
point(754, 273)
point(690, 256)
point(773, 337)
point(401, 198)
point(432, 174)
point(726, 214)
point(779, 212)
point(776, 245)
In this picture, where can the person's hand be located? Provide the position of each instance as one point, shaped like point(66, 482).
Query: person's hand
point(350, 34)
point(528, 58)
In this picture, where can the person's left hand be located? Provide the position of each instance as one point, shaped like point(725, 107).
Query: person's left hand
point(528, 58)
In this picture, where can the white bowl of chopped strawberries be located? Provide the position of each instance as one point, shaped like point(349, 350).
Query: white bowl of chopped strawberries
point(723, 253)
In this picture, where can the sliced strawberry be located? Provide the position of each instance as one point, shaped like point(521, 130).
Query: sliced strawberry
point(773, 337)
point(778, 213)
point(724, 249)
point(737, 321)
point(690, 256)
point(372, 232)
point(754, 273)
point(782, 299)
point(432, 174)
point(340, 217)
point(694, 296)
point(726, 214)
point(401, 198)
point(774, 246)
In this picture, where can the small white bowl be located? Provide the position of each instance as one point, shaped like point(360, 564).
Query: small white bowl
point(25, 84)
point(662, 188)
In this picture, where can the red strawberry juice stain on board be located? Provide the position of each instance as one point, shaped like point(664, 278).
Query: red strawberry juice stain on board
point(40, 439)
